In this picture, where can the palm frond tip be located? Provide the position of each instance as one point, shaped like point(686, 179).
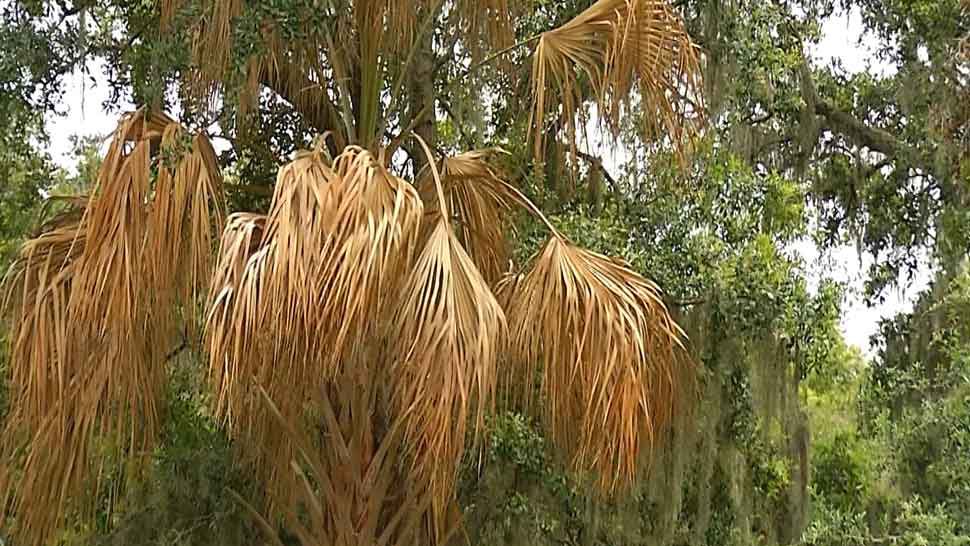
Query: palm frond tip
point(480, 203)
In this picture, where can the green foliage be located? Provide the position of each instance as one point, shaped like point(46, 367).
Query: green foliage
point(183, 499)
point(833, 527)
point(935, 454)
point(921, 527)
point(905, 481)
point(25, 171)
point(842, 473)
point(516, 494)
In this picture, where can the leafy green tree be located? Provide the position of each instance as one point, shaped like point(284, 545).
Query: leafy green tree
point(389, 299)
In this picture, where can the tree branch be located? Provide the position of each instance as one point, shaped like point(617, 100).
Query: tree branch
point(597, 163)
point(474, 68)
point(855, 130)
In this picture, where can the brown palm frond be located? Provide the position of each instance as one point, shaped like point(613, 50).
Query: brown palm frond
point(312, 74)
point(371, 250)
point(185, 214)
point(326, 284)
point(395, 23)
point(336, 246)
point(93, 333)
point(240, 241)
point(448, 332)
point(264, 317)
point(608, 352)
point(490, 20)
point(480, 202)
point(36, 291)
point(619, 45)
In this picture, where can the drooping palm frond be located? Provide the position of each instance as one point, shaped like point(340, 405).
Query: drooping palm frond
point(240, 241)
point(369, 260)
point(619, 46)
point(340, 45)
point(37, 288)
point(100, 320)
point(186, 212)
point(483, 22)
point(480, 202)
point(607, 351)
point(448, 334)
point(264, 316)
point(336, 246)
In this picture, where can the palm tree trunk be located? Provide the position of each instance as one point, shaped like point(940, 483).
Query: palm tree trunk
point(422, 96)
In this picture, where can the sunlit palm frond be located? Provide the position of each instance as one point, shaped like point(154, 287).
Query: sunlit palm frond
point(619, 45)
point(448, 332)
point(607, 351)
point(92, 323)
point(480, 202)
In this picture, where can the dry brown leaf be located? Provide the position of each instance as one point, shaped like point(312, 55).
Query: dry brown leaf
point(619, 46)
point(97, 316)
point(448, 333)
point(480, 202)
point(607, 352)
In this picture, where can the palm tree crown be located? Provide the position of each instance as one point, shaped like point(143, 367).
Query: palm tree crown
point(357, 332)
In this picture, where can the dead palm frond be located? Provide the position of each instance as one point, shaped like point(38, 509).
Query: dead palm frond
point(100, 317)
point(240, 241)
point(374, 246)
point(264, 317)
point(619, 46)
point(480, 202)
point(38, 286)
point(607, 349)
point(336, 246)
point(313, 73)
point(449, 332)
point(482, 22)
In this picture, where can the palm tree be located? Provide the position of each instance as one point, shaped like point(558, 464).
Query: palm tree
point(357, 332)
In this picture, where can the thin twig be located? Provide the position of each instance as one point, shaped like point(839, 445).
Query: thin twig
point(597, 162)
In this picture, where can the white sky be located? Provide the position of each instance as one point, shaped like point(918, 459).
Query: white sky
point(841, 40)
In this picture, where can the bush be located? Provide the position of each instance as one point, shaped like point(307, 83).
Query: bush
point(842, 472)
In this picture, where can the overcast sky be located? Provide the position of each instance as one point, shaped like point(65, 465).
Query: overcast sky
point(83, 116)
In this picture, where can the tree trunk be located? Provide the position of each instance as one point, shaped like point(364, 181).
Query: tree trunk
point(421, 98)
